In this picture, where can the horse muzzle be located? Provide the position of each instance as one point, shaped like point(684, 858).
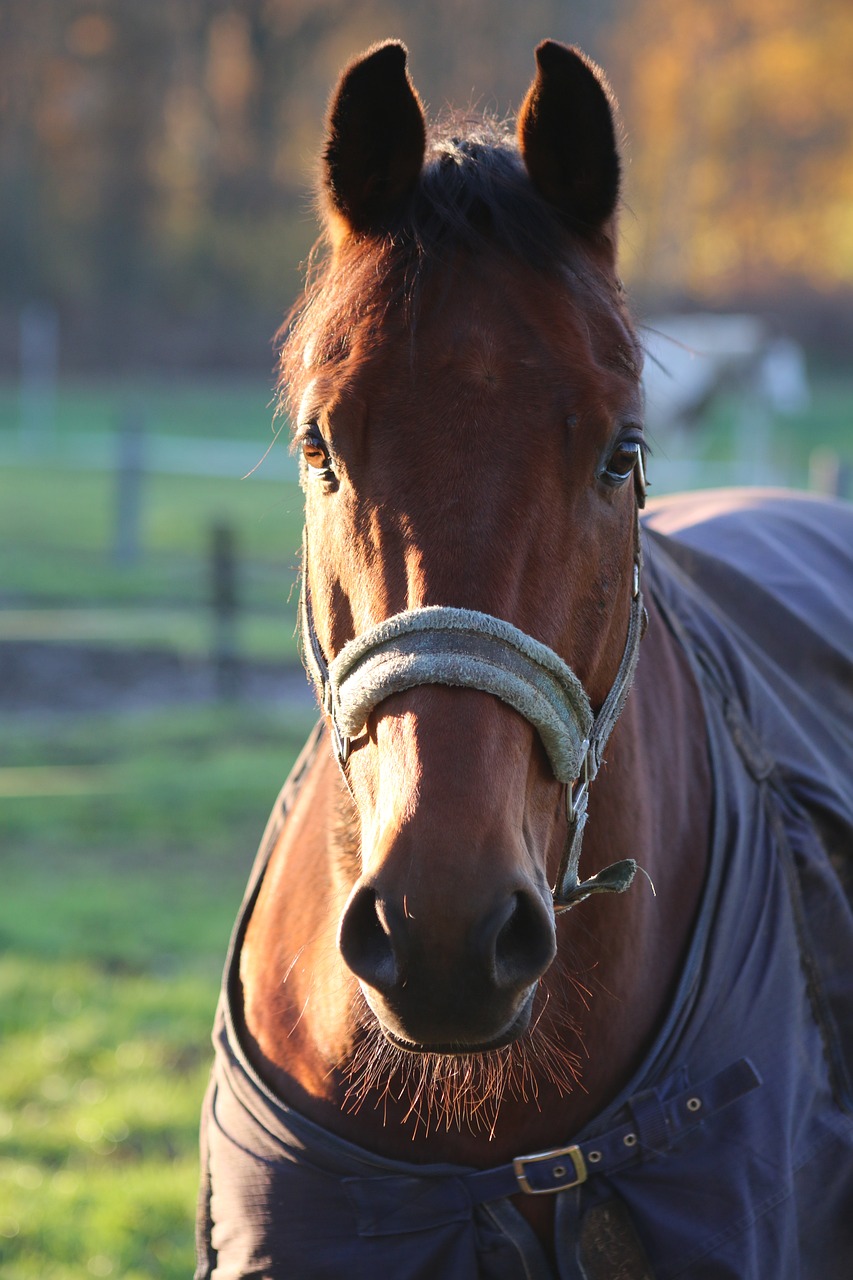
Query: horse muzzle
point(460, 983)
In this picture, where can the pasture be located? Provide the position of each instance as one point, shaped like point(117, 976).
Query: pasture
point(126, 842)
point(126, 839)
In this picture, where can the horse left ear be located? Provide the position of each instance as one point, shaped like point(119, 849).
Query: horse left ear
point(375, 141)
point(567, 137)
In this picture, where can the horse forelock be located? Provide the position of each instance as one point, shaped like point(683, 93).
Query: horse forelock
point(474, 198)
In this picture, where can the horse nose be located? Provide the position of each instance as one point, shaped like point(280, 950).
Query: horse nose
point(371, 941)
point(506, 949)
point(518, 940)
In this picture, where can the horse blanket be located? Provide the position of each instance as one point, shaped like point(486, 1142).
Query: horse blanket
point(729, 1156)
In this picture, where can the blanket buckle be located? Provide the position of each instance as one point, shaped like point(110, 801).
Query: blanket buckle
point(560, 1171)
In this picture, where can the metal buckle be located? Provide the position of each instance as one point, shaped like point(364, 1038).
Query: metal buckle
point(640, 481)
point(574, 1154)
point(577, 794)
point(342, 743)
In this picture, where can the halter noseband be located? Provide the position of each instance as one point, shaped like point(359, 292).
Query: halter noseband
point(467, 649)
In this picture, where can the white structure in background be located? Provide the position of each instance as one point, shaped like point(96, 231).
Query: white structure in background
point(691, 359)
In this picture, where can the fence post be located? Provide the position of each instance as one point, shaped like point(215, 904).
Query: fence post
point(225, 603)
point(828, 474)
point(39, 351)
point(130, 468)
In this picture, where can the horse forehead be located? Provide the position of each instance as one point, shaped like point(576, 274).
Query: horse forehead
point(499, 339)
point(483, 364)
point(487, 354)
point(516, 336)
point(503, 353)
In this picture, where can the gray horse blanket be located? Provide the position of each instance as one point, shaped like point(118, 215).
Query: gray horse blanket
point(738, 1163)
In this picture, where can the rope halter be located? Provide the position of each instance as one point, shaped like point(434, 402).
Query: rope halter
point(467, 649)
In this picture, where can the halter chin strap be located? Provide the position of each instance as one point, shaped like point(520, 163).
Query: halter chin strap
point(467, 649)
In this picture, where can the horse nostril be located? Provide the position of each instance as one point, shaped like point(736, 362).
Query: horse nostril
point(525, 942)
point(365, 941)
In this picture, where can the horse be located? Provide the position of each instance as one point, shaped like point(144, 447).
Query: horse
point(543, 966)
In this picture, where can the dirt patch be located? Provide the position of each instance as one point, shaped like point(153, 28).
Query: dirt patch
point(42, 677)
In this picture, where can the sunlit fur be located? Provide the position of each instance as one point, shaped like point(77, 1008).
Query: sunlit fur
point(454, 1092)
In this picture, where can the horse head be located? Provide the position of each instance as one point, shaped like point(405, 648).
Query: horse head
point(464, 383)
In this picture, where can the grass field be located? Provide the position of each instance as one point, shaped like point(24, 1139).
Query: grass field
point(126, 840)
point(57, 535)
point(126, 843)
point(61, 579)
point(826, 424)
point(230, 409)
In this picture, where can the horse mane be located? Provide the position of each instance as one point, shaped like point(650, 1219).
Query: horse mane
point(475, 194)
point(474, 197)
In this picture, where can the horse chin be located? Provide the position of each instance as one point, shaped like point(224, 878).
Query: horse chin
point(461, 1082)
point(516, 1028)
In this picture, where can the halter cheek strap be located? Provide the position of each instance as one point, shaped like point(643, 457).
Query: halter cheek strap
point(467, 649)
point(617, 877)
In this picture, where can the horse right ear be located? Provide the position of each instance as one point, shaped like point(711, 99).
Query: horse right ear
point(375, 141)
point(567, 137)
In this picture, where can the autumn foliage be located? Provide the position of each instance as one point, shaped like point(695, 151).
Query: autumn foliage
point(159, 155)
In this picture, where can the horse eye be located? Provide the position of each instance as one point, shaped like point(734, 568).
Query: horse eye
point(622, 462)
point(315, 453)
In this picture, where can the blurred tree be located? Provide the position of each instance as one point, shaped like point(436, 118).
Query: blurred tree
point(23, 100)
point(742, 175)
point(160, 152)
point(156, 157)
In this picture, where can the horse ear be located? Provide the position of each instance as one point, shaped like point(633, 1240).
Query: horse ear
point(567, 137)
point(375, 140)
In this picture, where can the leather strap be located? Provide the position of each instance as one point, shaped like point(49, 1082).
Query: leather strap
point(400, 1203)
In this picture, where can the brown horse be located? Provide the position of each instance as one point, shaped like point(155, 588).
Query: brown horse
point(408, 988)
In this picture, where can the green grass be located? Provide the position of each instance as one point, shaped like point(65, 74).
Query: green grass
point(57, 536)
point(44, 508)
point(59, 578)
point(193, 779)
point(126, 844)
point(126, 840)
point(101, 1080)
point(227, 409)
point(827, 423)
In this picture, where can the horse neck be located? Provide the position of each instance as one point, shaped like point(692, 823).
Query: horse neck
point(618, 957)
point(651, 801)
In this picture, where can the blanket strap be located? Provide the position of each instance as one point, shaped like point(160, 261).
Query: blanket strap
point(399, 1203)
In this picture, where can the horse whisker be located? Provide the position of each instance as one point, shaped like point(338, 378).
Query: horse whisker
point(464, 1091)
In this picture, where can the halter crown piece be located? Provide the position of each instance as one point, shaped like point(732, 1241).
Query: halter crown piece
point(467, 649)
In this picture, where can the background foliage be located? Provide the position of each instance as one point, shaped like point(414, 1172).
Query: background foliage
point(155, 157)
